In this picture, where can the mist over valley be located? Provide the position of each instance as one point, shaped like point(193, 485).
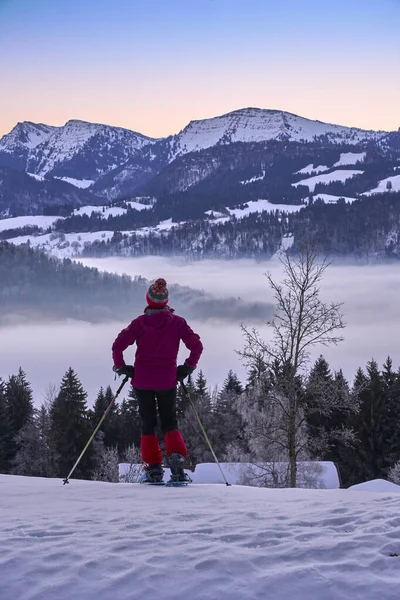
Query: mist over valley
point(45, 348)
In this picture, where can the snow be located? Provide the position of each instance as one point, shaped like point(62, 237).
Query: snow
point(263, 205)
point(337, 175)
point(377, 485)
point(104, 211)
point(214, 213)
point(37, 177)
point(255, 178)
point(235, 472)
point(26, 135)
point(16, 222)
point(394, 180)
point(103, 541)
point(68, 141)
point(166, 225)
point(65, 245)
point(258, 125)
point(287, 242)
point(79, 183)
point(330, 199)
point(310, 169)
point(139, 206)
point(350, 158)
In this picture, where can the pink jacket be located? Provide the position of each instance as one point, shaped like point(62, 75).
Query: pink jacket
point(157, 334)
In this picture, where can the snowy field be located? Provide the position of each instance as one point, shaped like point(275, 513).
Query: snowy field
point(337, 175)
point(17, 222)
point(330, 199)
point(258, 206)
point(394, 183)
point(104, 541)
point(350, 158)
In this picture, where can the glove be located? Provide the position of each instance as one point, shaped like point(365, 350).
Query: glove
point(183, 371)
point(125, 370)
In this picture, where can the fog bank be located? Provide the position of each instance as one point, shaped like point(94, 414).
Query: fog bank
point(371, 310)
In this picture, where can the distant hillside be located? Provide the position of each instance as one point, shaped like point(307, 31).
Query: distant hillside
point(34, 285)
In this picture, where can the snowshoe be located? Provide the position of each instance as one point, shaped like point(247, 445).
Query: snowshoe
point(178, 475)
point(152, 474)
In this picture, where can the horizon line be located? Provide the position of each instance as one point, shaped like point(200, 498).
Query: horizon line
point(219, 116)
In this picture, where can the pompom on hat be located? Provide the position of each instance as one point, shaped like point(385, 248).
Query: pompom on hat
point(157, 294)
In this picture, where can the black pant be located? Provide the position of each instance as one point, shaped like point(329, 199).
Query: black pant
point(149, 401)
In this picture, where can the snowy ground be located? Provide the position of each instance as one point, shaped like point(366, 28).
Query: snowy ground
point(330, 199)
point(17, 222)
point(337, 175)
point(99, 541)
point(350, 158)
point(311, 169)
point(258, 206)
point(394, 181)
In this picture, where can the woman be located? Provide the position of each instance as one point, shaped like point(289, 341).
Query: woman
point(155, 374)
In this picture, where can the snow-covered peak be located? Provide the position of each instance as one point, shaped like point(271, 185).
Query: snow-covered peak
point(26, 136)
point(258, 125)
point(94, 149)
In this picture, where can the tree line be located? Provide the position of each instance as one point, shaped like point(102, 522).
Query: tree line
point(356, 426)
point(285, 414)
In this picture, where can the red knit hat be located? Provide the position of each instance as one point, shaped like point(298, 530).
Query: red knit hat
point(157, 294)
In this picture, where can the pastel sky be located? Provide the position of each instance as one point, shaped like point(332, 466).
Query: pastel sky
point(154, 65)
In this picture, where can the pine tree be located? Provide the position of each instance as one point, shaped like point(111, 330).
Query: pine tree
point(35, 456)
point(20, 408)
point(318, 384)
point(110, 425)
point(4, 430)
point(391, 383)
point(191, 431)
point(129, 423)
point(226, 417)
point(71, 427)
point(371, 460)
point(232, 384)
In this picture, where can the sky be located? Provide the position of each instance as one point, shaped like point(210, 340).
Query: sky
point(154, 65)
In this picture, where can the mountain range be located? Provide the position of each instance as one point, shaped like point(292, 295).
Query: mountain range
point(240, 183)
point(109, 163)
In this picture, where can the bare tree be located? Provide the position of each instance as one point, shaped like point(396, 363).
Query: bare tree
point(394, 473)
point(107, 466)
point(134, 461)
point(301, 321)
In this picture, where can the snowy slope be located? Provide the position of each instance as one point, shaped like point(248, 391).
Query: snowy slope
point(104, 211)
point(17, 222)
point(257, 206)
point(310, 169)
point(350, 158)
point(89, 149)
point(259, 125)
point(26, 136)
point(337, 175)
point(79, 183)
point(99, 541)
point(65, 245)
point(382, 186)
point(330, 199)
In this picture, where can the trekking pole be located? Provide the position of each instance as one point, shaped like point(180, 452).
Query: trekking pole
point(203, 430)
point(96, 430)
